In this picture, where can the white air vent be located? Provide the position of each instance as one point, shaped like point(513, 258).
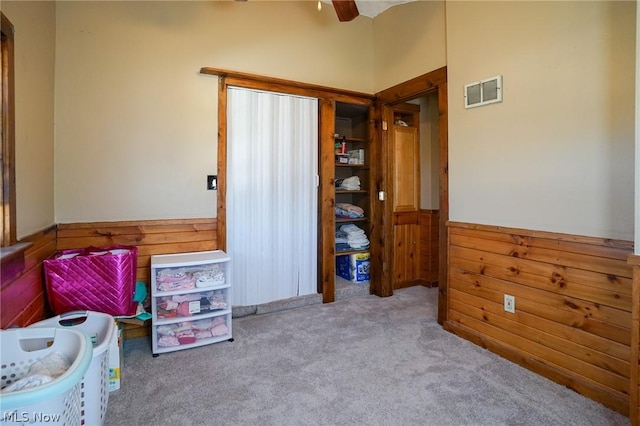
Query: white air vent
point(483, 92)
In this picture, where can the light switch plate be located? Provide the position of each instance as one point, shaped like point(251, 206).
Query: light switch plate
point(212, 182)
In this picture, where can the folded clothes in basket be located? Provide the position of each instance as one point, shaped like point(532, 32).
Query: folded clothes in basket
point(51, 366)
point(27, 382)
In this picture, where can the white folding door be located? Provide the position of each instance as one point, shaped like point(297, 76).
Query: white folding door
point(272, 206)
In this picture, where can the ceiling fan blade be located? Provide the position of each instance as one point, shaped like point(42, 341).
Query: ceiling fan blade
point(345, 9)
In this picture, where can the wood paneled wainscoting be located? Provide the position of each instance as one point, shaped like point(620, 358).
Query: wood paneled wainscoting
point(22, 293)
point(415, 243)
point(573, 303)
point(634, 396)
point(150, 236)
point(429, 237)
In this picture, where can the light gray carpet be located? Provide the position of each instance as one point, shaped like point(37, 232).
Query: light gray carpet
point(360, 361)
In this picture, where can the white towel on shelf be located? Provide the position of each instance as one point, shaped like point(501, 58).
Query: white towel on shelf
point(350, 228)
point(356, 237)
point(351, 183)
point(359, 245)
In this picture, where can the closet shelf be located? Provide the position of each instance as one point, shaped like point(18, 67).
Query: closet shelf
point(346, 252)
point(347, 191)
point(349, 220)
point(350, 140)
point(359, 166)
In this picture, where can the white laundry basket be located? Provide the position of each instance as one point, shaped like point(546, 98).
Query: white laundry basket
point(56, 402)
point(95, 383)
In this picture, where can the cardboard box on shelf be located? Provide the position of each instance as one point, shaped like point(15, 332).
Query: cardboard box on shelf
point(354, 267)
point(342, 267)
point(342, 158)
point(116, 359)
point(359, 267)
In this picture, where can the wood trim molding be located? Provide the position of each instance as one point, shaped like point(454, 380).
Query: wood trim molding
point(634, 260)
point(222, 165)
point(326, 202)
point(12, 258)
point(379, 213)
point(240, 79)
point(8, 192)
point(443, 173)
point(621, 244)
point(12, 261)
point(414, 88)
point(434, 81)
point(385, 287)
point(124, 223)
point(376, 230)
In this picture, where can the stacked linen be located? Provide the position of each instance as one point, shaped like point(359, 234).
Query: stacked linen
point(349, 211)
point(342, 243)
point(351, 183)
point(356, 238)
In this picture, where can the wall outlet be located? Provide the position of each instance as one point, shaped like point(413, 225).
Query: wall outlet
point(510, 303)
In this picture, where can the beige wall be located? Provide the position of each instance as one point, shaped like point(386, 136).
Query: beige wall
point(34, 23)
point(136, 124)
point(558, 153)
point(409, 40)
point(429, 153)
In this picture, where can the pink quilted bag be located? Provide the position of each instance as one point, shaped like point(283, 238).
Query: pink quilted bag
point(93, 279)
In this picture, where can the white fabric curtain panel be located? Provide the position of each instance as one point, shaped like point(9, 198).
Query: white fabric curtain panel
point(272, 205)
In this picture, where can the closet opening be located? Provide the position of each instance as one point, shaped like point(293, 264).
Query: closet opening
point(353, 192)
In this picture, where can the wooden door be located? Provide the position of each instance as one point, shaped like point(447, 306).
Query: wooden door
point(404, 144)
point(406, 249)
point(377, 209)
point(406, 169)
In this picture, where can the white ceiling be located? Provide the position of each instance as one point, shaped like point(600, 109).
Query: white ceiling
point(372, 8)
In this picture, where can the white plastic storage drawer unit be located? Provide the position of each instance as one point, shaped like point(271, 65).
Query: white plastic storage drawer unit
point(190, 300)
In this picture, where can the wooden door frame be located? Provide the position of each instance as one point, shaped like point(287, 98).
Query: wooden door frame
point(431, 82)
